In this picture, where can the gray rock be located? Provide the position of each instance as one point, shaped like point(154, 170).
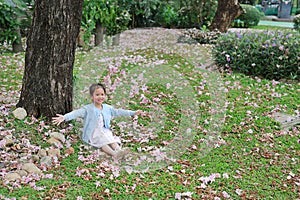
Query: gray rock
point(286, 121)
point(12, 176)
point(58, 136)
point(31, 168)
point(9, 141)
point(47, 161)
point(20, 113)
point(53, 141)
point(22, 173)
point(54, 153)
point(42, 153)
point(35, 158)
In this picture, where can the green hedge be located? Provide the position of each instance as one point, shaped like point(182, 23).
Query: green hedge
point(269, 54)
point(249, 18)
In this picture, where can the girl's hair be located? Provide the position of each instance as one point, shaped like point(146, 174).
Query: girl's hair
point(95, 86)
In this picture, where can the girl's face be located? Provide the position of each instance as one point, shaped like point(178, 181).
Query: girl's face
point(99, 96)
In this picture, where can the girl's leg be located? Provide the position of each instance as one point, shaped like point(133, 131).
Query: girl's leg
point(107, 149)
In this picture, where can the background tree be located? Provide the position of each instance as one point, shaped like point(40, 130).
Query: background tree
point(14, 19)
point(227, 11)
point(47, 86)
point(96, 15)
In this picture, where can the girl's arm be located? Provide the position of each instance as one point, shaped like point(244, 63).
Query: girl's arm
point(69, 116)
point(122, 112)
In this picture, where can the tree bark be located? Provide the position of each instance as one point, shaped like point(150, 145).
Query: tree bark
point(227, 11)
point(99, 32)
point(47, 86)
point(17, 45)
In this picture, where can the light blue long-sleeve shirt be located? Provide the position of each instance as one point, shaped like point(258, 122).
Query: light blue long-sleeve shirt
point(90, 114)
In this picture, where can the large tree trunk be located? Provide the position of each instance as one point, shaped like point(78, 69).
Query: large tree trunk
point(51, 43)
point(227, 11)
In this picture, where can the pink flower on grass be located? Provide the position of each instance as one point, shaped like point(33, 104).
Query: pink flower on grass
point(225, 195)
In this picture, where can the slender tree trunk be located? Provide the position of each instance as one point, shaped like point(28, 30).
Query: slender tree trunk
point(227, 11)
point(17, 45)
point(99, 32)
point(47, 86)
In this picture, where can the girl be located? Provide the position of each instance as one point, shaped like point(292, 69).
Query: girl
point(96, 121)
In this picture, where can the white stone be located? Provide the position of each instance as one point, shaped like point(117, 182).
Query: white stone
point(20, 113)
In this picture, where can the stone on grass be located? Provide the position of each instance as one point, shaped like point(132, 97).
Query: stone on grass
point(9, 140)
point(42, 153)
point(13, 176)
point(31, 168)
point(58, 136)
point(22, 173)
point(35, 158)
point(69, 151)
point(47, 161)
point(54, 153)
point(286, 121)
point(20, 113)
point(53, 141)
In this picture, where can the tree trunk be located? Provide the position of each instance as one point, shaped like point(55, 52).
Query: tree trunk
point(227, 11)
point(116, 39)
point(99, 33)
point(47, 86)
point(17, 45)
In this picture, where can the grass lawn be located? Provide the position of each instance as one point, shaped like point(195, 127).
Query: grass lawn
point(208, 135)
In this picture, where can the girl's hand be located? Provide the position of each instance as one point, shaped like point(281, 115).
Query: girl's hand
point(138, 112)
point(58, 120)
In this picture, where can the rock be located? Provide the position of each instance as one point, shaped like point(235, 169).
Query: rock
point(42, 153)
point(22, 173)
point(54, 141)
point(31, 168)
point(54, 153)
point(35, 158)
point(46, 160)
point(9, 140)
point(58, 136)
point(69, 151)
point(286, 121)
point(20, 113)
point(13, 176)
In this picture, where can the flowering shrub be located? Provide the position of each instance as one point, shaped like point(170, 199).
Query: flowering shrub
point(269, 54)
point(296, 21)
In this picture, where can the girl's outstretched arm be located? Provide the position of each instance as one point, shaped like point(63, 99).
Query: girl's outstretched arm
point(58, 120)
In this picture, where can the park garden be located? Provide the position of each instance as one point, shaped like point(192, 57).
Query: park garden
point(223, 107)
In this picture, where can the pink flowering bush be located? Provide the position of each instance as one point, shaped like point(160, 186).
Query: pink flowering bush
point(268, 54)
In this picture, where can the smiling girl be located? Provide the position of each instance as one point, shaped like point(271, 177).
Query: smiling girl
point(96, 121)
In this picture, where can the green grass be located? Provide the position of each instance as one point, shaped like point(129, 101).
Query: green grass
point(264, 27)
point(258, 162)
